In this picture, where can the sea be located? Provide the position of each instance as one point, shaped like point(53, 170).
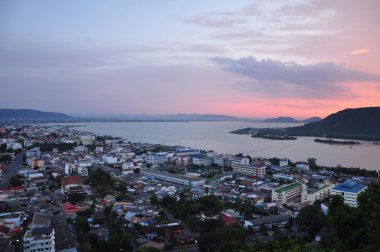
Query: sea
point(215, 136)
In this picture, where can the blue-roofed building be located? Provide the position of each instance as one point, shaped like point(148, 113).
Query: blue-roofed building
point(349, 191)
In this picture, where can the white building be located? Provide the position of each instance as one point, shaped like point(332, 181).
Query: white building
point(174, 178)
point(284, 162)
point(244, 167)
point(14, 145)
point(69, 168)
point(222, 160)
point(157, 158)
point(349, 191)
point(282, 177)
point(83, 171)
point(33, 153)
point(80, 148)
point(302, 167)
point(39, 239)
point(129, 167)
point(202, 161)
point(110, 159)
point(286, 193)
point(318, 194)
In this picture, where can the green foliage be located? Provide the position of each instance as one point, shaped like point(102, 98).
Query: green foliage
point(76, 197)
point(16, 180)
point(311, 219)
point(49, 146)
point(5, 158)
point(101, 182)
point(229, 238)
point(149, 249)
point(357, 228)
point(3, 148)
point(278, 245)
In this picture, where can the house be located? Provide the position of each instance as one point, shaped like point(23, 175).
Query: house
point(70, 181)
point(70, 208)
point(80, 148)
point(228, 219)
point(109, 199)
point(268, 221)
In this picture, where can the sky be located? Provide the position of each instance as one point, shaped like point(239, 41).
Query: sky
point(258, 58)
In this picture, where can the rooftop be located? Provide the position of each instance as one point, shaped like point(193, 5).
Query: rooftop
point(351, 187)
point(288, 187)
point(318, 189)
point(270, 219)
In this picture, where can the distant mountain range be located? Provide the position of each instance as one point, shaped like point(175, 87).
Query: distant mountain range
point(31, 114)
point(15, 115)
point(291, 120)
point(359, 123)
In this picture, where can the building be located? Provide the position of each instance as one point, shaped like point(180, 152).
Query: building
point(33, 153)
point(302, 167)
point(349, 191)
point(174, 178)
point(14, 145)
point(156, 158)
point(39, 239)
point(280, 177)
point(71, 181)
point(202, 160)
point(318, 194)
point(244, 167)
point(222, 160)
point(80, 148)
point(286, 193)
point(110, 159)
point(83, 171)
point(99, 149)
point(38, 163)
point(284, 162)
point(69, 168)
point(268, 221)
point(183, 160)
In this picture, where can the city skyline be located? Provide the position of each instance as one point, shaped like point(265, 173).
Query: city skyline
point(242, 58)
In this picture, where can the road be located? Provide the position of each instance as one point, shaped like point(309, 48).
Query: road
point(11, 170)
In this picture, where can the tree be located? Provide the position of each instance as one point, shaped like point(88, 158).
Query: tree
point(16, 180)
point(312, 163)
point(311, 219)
point(5, 158)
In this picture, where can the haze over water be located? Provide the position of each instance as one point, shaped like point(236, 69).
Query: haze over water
point(215, 136)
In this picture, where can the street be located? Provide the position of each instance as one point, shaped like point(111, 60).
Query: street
point(11, 170)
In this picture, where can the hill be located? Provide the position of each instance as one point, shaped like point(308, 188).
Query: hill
point(31, 114)
point(281, 119)
point(359, 123)
point(284, 119)
point(311, 119)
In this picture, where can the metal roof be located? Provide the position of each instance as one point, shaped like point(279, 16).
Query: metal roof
point(351, 187)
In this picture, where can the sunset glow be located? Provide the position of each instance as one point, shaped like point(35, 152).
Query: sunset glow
point(245, 58)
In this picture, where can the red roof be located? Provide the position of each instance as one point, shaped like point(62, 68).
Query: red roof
point(229, 220)
point(70, 208)
point(16, 188)
point(71, 180)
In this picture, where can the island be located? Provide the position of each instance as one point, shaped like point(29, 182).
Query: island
point(330, 141)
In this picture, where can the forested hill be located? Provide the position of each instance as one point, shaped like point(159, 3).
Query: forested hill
point(359, 123)
point(30, 114)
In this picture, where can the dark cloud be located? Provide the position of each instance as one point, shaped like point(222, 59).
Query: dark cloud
point(290, 79)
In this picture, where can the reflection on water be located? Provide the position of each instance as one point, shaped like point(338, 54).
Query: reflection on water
point(215, 136)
